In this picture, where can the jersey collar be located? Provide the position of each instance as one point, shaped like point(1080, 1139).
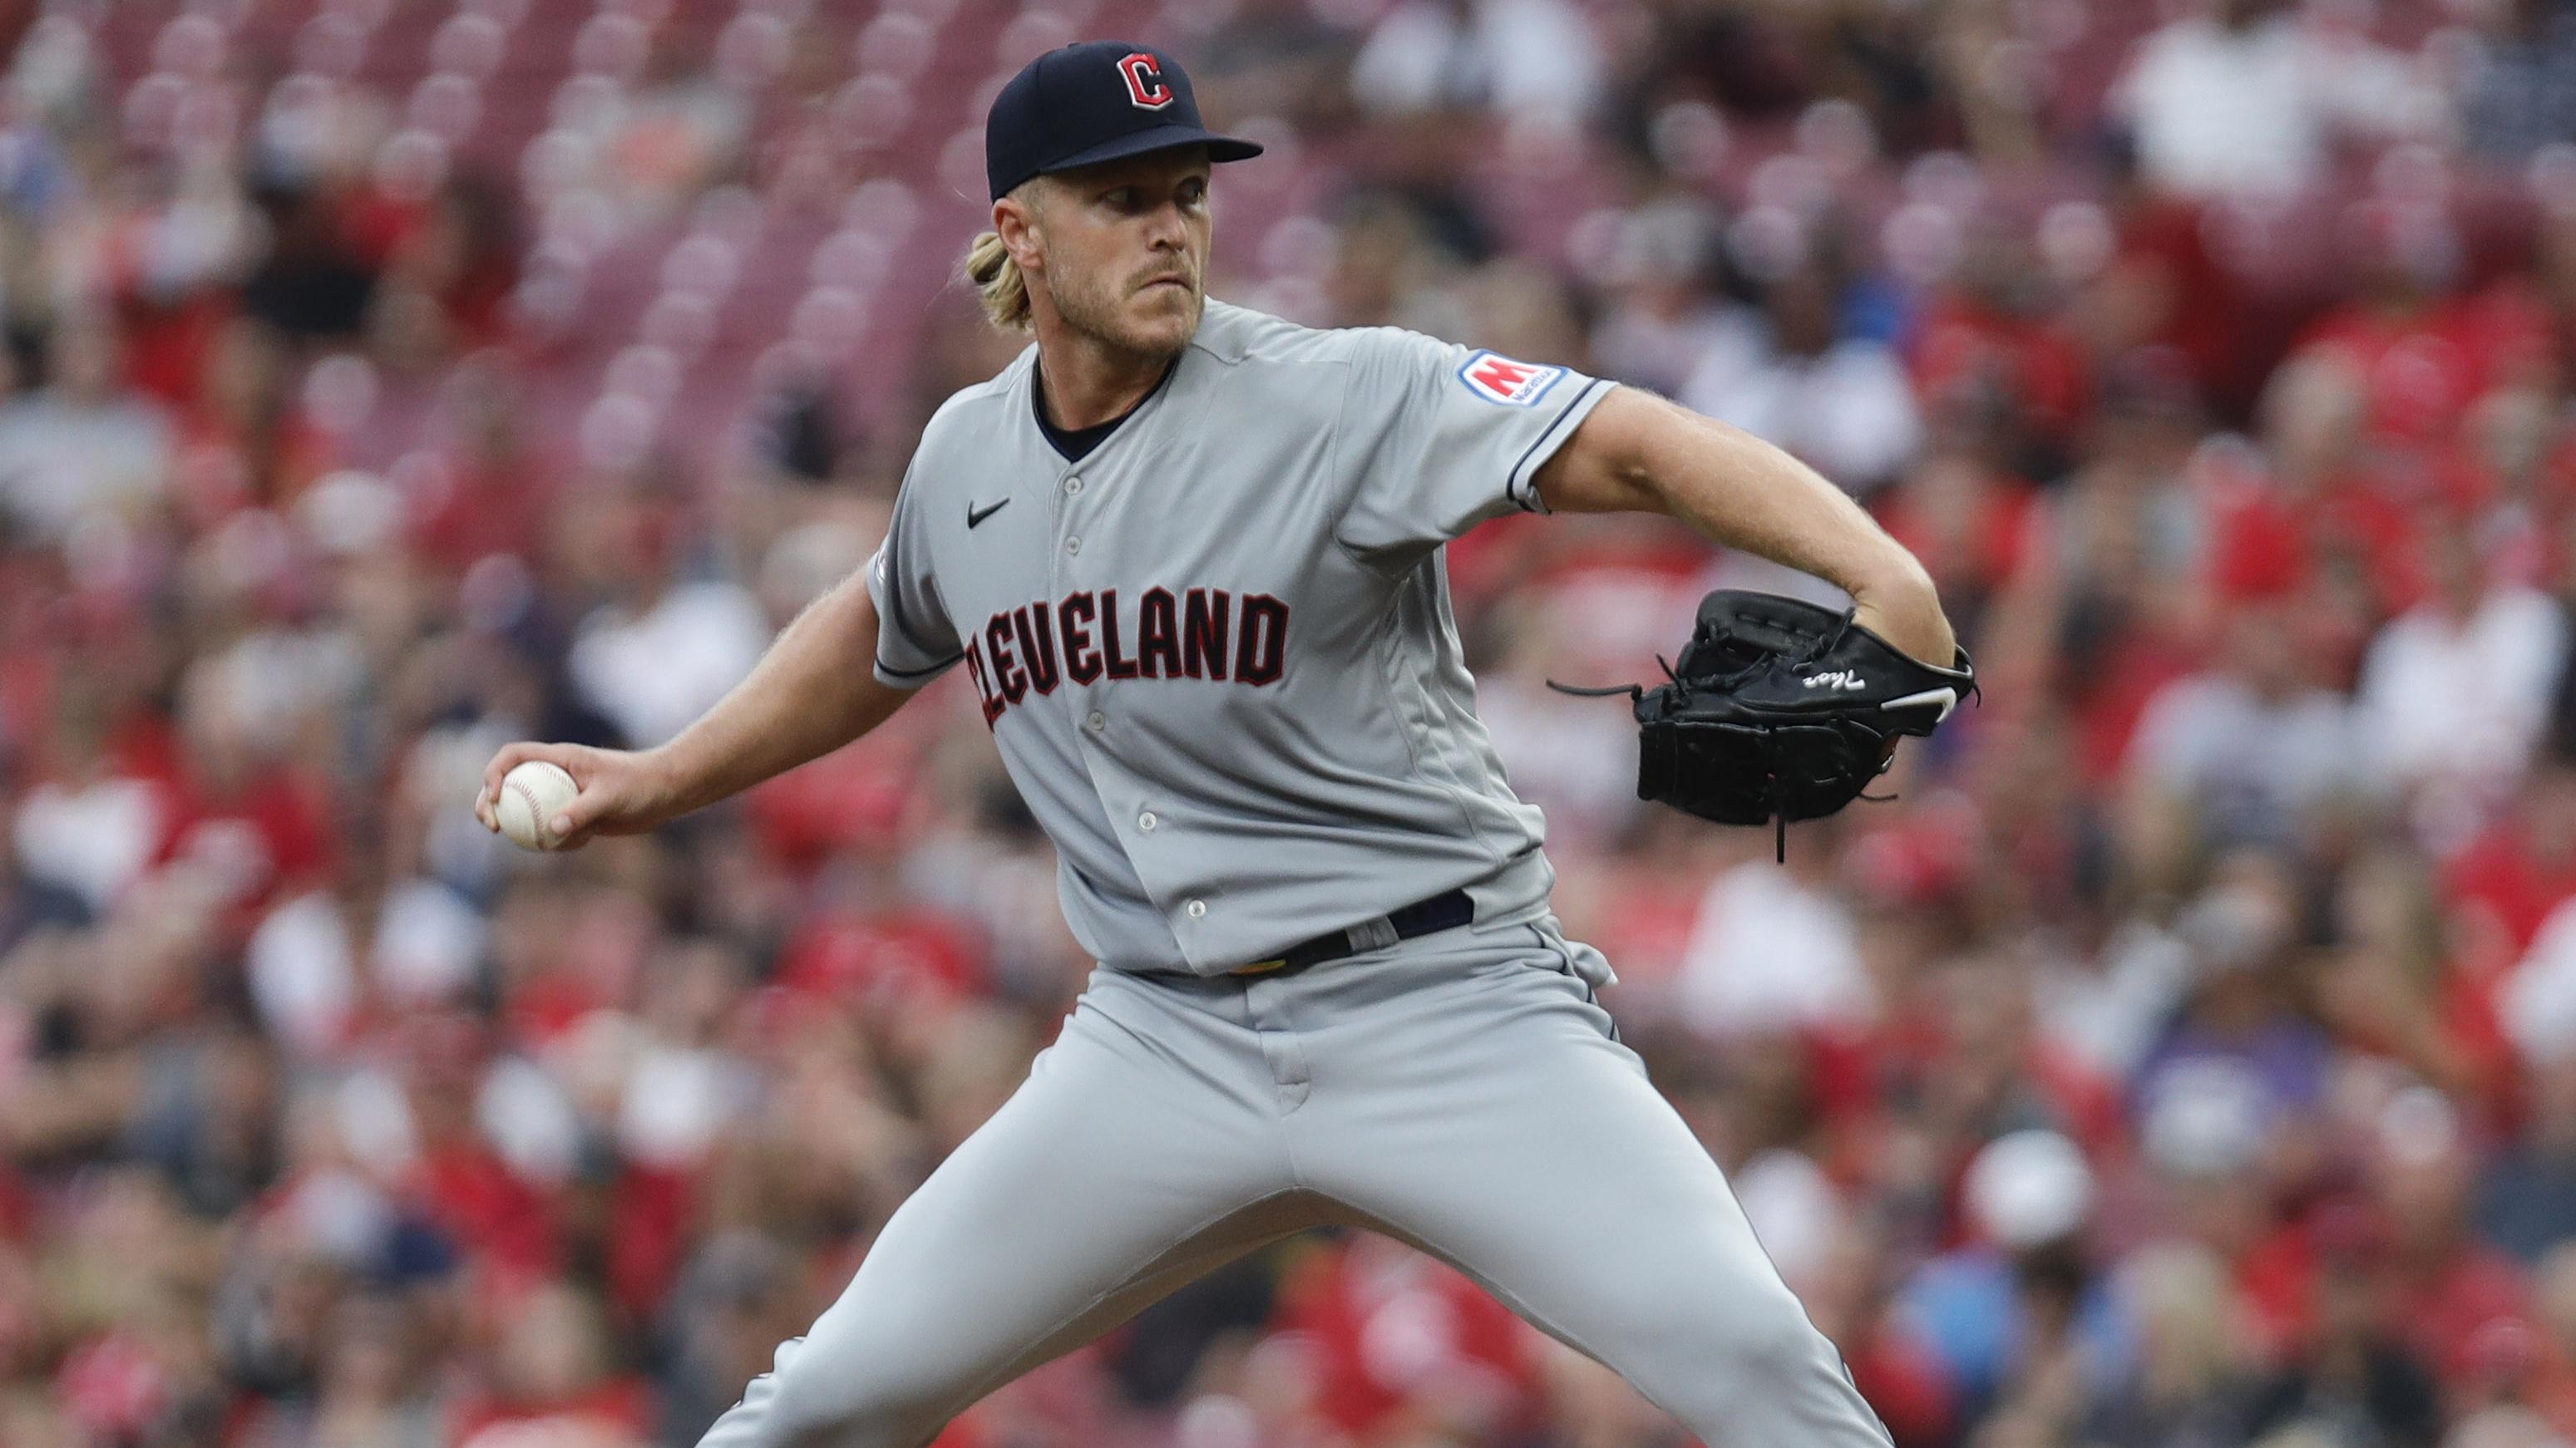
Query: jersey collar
point(1090, 442)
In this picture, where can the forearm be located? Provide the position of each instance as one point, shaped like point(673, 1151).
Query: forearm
point(1736, 489)
point(812, 692)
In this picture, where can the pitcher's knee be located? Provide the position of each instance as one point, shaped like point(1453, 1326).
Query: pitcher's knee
point(1717, 1343)
point(1750, 1371)
point(1766, 1336)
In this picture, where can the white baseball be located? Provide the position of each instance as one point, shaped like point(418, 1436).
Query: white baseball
point(532, 794)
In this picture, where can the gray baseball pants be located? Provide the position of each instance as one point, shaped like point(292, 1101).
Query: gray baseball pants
point(1461, 1092)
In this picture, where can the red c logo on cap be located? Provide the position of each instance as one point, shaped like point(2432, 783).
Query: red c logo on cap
point(1144, 77)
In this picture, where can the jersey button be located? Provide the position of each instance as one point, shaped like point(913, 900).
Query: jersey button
point(1146, 822)
point(1072, 545)
point(1073, 485)
point(1095, 721)
point(1195, 909)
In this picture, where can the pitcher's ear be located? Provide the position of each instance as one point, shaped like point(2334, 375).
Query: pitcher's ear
point(1017, 217)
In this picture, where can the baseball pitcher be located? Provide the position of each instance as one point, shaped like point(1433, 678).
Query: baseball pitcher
point(1189, 557)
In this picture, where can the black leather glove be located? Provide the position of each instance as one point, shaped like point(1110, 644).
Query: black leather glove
point(1781, 710)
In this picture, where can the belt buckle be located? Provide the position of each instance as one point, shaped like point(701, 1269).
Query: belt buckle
point(1258, 967)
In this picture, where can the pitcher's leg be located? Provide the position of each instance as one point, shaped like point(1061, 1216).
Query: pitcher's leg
point(1122, 1166)
point(1530, 1151)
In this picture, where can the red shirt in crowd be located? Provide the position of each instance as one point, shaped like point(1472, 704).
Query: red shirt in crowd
point(621, 1404)
point(271, 833)
point(2421, 369)
point(1961, 344)
point(1387, 1336)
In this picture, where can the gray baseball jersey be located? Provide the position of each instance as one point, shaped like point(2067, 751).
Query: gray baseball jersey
point(1217, 652)
point(1218, 656)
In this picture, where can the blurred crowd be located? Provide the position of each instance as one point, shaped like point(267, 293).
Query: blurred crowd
point(2185, 1058)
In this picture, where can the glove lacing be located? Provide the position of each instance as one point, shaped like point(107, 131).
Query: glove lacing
point(1824, 644)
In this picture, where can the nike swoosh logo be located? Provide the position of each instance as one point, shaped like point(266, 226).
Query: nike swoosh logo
point(976, 515)
point(1948, 699)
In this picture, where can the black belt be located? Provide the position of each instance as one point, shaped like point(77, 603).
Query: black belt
point(1444, 911)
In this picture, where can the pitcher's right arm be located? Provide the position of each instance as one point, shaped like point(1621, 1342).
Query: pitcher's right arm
point(811, 693)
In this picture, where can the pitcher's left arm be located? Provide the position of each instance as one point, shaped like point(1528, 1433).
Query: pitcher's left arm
point(1638, 453)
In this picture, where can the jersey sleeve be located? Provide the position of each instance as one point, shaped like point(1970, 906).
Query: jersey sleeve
point(1443, 437)
point(915, 641)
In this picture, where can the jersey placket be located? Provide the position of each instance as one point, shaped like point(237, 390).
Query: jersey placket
point(1086, 503)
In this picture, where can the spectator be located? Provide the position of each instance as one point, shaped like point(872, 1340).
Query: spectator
point(2238, 1038)
point(2249, 97)
point(80, 447)
point(2186, 1384)
point(2529, 1196)
point(1840, 403)
point(2518, 98)
point(1991, 340)
point(2248, 752)
point(2505, 884)
point(2453, 1292)
point(550, 1366)
point(1279, 58)
point(2419, 355)
point(1664, 312)
point(2003, 1313)
point(658, 657)
point(1775, 955)
point(2454, 691)
point(315, 284)
point(1513, 57)
point(2351, 1381)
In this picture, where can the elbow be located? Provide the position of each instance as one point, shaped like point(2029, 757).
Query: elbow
point(1643, 489)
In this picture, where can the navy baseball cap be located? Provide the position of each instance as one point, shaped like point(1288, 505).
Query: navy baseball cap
point(1094, 101)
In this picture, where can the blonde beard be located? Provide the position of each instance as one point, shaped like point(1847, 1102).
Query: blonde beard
point(1077, 310)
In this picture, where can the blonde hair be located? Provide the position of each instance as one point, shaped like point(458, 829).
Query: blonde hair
point(998, 282)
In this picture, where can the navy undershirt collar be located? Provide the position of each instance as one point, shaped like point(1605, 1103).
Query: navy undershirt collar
point(1078, 443)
